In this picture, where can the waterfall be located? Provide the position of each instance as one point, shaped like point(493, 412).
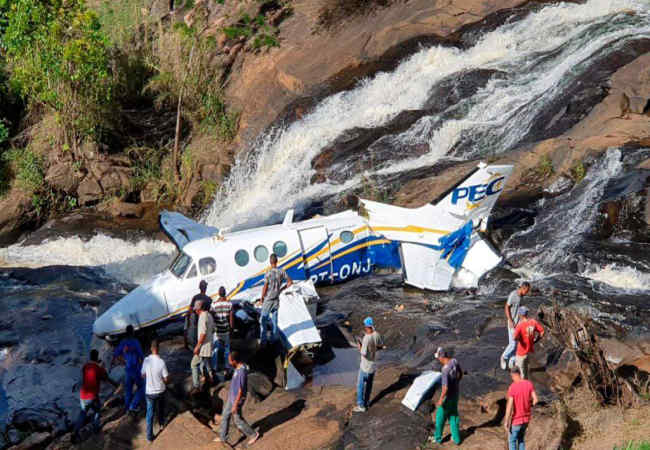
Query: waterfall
point(538, 56)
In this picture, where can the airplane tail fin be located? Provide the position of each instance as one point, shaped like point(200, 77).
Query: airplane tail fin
point(473, 197)
point(437, 242)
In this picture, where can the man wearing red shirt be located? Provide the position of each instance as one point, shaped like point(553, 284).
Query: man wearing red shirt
point(520, 396)
point(527, 332)
point(92, 374)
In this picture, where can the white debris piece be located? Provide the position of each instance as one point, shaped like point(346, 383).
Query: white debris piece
point(294, 320)
point(420, 387)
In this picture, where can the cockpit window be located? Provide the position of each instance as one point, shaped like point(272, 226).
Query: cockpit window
point(207, 266)
point(191, 273)
point(180, 265)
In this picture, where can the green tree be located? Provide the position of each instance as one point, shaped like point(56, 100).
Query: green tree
point(58, 56)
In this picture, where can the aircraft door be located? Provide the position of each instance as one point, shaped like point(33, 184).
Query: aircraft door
point(317, 260)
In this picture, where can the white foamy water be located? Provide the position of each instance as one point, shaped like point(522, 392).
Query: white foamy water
point(622, 277)
point(133, 262)
point(546, 248)
point(538, 54)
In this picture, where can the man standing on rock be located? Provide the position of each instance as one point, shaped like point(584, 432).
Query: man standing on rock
point(92, 374)
point(154, 371)
point(371, 342)
point(521, 394)
point(236, 399)
point(528, 332)
point(203, 348)
point(130, 351)
point(273, 281)
point(512, 316)
point(191, 318)
point(447, 404)
point(224, 323)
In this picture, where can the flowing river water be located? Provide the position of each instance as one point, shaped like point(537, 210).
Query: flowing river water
point(525, 68)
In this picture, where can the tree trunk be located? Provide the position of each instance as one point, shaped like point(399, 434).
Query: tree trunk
point(177, 137)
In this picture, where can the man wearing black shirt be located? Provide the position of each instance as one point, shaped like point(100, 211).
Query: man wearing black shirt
point(191, 318)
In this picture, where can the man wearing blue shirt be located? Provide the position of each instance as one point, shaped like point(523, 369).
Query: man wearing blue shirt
point(130, 351)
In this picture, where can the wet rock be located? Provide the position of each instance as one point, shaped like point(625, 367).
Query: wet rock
point(34, 441)
point(16, 211)
point(559, 186)
point(360, 149)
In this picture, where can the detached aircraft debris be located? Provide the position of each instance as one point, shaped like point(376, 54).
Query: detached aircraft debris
point(435, 246)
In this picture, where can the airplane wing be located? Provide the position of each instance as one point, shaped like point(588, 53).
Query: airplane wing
point(182, 230)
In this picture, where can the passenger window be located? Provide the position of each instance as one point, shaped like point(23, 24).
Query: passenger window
point(261, 253)
point(207, 266)
point(241, 258)
point(191, 273)
point(347, 236)
point(280, 249)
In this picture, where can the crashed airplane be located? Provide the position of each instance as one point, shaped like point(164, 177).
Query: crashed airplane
point(435, 246)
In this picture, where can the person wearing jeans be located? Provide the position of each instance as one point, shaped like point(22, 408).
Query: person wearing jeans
point(220, 352)
point(201, 361)
point(236, 399)
point(273, 285)
point(521, 396)
point(88, 407)
point(92, 374)
point(155, 405)
point(368, 347)
point(154, 372)
point(511, 310)
point(224, 321)
point(364, 388)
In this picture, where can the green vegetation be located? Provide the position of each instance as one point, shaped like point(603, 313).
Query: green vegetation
point(545, 168)
point(58, 57)
point(264, 35)
point(184, 66)
point(27, 168)
point(578, 172)
point(635, 445)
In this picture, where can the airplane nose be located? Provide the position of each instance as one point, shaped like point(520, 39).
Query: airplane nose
point(141, 307)
point(102, 326)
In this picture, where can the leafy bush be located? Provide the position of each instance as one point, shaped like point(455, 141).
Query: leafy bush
point(58, 56)
point(578, 172)
point(265, 36)
point(27, 168)
point(184, 61)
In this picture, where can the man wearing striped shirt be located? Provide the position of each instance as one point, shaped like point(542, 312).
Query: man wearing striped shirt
point(224, 323)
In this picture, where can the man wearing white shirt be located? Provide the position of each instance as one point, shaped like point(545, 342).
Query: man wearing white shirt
point(154, 371)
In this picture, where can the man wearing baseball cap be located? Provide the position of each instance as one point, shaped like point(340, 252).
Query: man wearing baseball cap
point(371, 342)
point(447, 404)
point(527, 332)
